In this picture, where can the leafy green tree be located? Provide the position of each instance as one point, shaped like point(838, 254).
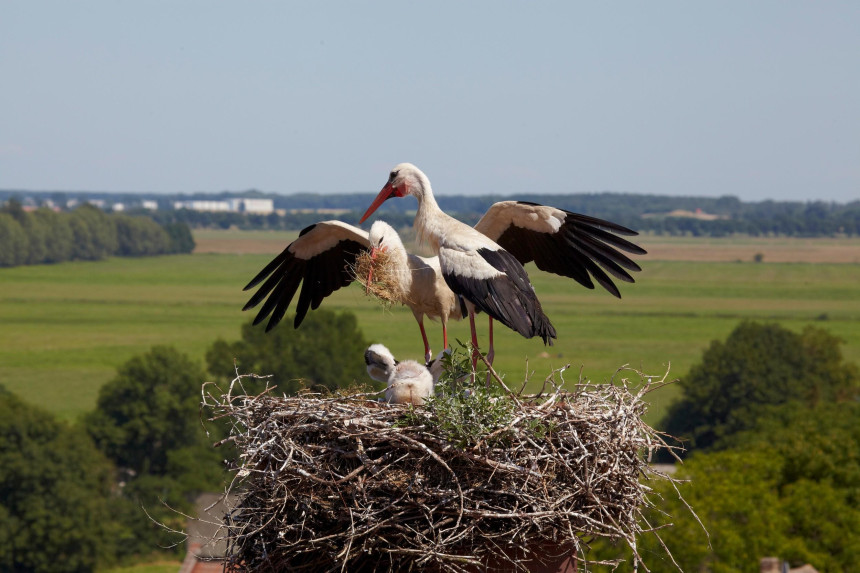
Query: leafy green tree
point(758, 365)
point(735, 494)
point(327, 350)
point(140, 236)
point(54, 489)
point(101, 234)
point(150, 409)
point(790, 487)
point(58, 235)
point(823, 525)
point(821, 444)
point(13, 241)
point(14, 208)
point(37, 233)
point(181, 240)
point(147, 420)
point(83, 241)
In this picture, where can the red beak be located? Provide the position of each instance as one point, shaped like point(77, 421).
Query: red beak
point(380, 199)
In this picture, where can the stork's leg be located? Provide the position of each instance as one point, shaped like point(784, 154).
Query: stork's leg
point(444, 334)
point(491, 353)
point(474, 341)
point(427, 354)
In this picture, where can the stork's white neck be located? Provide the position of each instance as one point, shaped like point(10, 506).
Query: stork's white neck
point(429, 219)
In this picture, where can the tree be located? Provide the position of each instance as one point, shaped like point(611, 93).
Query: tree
point(140, 236)
point(150, 409)
point(14, 241)
point(54, 488)
point(37, 233)
point(101, 233)
point(758, 365)
point(789, 486)
point(58, 235)
point(147, 421)
point(327, 350)
point(181, 240)
point(821, 444)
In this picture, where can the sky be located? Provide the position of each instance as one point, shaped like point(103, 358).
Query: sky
point(760, 100)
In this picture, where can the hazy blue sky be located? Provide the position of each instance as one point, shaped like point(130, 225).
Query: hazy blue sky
point(752, 98)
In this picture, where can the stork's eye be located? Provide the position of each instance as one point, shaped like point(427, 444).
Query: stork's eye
point(392, 176)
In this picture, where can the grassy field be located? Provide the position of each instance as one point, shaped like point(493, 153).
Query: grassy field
point(65, 328)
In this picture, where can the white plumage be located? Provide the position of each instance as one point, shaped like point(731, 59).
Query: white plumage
point(473, 265)
point(484, 264)
point(321, 259)
point(408, 382)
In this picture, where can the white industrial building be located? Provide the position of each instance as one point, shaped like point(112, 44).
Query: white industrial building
point(235, 205)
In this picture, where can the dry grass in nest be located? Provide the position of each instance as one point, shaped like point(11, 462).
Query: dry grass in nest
point(346, 483)
point(383, 283)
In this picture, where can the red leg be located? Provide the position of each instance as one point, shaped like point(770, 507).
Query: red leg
point(474, 340)
point(427, 353)
point(491, 352)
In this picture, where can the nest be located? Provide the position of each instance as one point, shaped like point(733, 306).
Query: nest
point(378, 275)
point(346, 483)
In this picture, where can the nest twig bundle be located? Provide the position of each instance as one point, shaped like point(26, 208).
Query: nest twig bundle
point(346, 483)
point(378, 275)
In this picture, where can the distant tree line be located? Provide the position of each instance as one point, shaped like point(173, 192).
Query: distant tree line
point(644, 213)
point(651, 213)
point(87, 233)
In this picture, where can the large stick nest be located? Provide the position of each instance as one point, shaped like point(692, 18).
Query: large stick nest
point(346, 483)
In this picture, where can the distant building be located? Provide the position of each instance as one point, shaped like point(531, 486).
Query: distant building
point(149, 204)
point(257, 206)
point(118, 207)
point(235, 205)
point(212, 206)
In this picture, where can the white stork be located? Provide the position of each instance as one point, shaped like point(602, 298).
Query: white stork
point(408, 381)
point(323, 256)
point(484, 264)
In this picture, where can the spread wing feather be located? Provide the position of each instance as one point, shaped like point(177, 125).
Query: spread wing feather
point(319, 260)
point(562, 242)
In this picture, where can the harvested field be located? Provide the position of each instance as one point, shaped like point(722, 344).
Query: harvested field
point(235, 242)
point(772, 249)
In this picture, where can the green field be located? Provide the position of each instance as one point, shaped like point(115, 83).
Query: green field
point(65, 328)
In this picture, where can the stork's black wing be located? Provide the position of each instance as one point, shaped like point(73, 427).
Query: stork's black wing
point(506, 294)
point(562, 242)
point(321, 258)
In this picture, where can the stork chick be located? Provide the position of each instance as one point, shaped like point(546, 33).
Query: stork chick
point(408, 381)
